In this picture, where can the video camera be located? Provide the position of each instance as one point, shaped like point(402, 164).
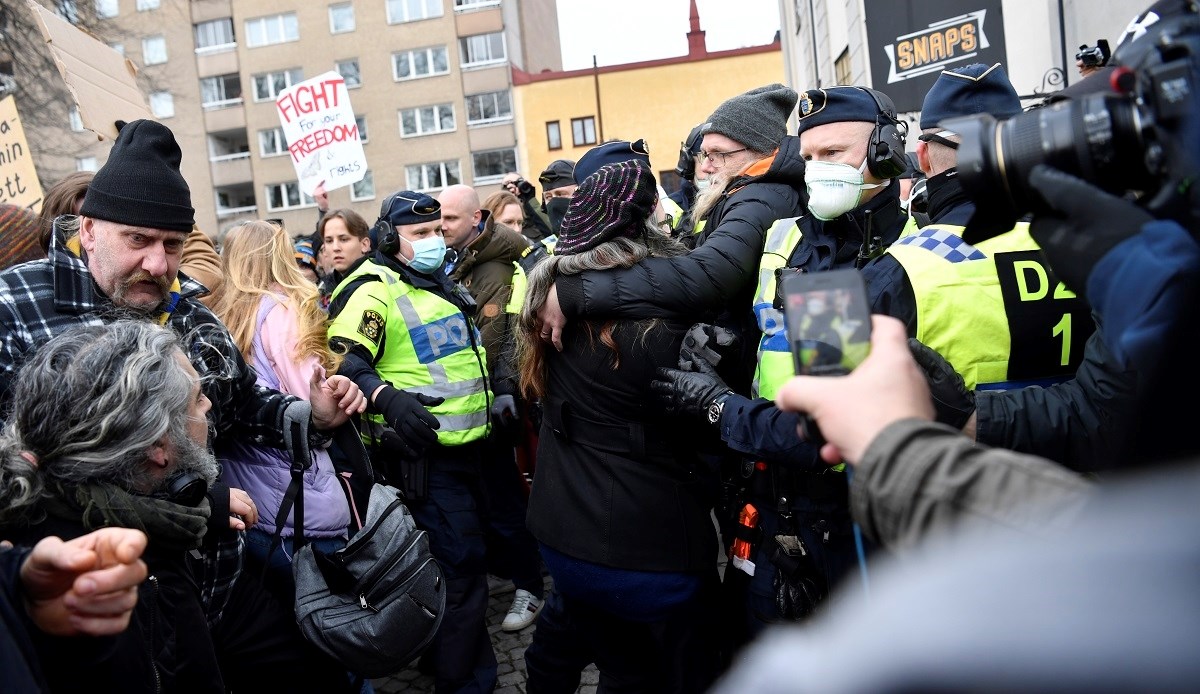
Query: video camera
point(1138, 137)
point(1094, 56)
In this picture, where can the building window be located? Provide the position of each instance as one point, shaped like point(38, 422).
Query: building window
point(841, 68)
point(412, 10)
point(68, 10)
point(364, 189)
point(361, 122)
point(214, 36)
point(118, 47)
point(426, 120)
point(349, 71)
point(220, 91)
point(144, 5)
point(553, 135)
point(484, 49)
point(162, 104)
point(278, 28)
point(154, 50)
point(272, 143)
point(86, 164)
point(474, 4)
point(341, 18)
point(432, 176)
point(287, 196)
point(583, 131)
point(106, 9)
point(492, 107)
point(268, 86)
point(75, 120)
point(491, 166)
point(421, 62)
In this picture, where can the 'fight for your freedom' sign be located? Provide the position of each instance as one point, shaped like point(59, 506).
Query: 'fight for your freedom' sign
point(321, 132)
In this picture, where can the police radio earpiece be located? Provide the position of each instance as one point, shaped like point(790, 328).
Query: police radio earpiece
point(389, 238)
point(885, 155)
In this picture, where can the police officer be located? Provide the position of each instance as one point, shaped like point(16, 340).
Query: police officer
point(995, 310)
point(685, 168)
point(411, 342)
point(792, 526)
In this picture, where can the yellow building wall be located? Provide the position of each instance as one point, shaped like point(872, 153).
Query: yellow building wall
point(660, 104)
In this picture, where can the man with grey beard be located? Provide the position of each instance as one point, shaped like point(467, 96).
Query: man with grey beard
point(108, 428)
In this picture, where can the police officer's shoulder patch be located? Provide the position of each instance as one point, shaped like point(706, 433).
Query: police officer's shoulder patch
point(371, 326)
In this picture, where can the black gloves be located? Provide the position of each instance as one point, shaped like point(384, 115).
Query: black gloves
point(689, 392)
point(405, 413)
point(504, 409)
point(951, 399)
point(710, 342)
point(1086, 224)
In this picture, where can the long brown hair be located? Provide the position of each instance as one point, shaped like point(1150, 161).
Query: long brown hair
point(619, 252)
point(257, 259)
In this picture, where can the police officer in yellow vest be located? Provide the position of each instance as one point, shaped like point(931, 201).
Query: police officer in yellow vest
point(411, 343)
point(995, 311)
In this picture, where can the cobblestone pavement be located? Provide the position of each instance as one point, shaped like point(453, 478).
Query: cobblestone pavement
point(510, 657)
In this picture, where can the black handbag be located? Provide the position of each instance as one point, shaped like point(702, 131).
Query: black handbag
point(375, 604)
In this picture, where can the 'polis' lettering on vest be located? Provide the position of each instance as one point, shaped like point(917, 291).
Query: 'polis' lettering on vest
point(452, 332)
point(1033, 282)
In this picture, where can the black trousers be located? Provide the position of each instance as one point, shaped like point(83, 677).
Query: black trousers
point(677, 654)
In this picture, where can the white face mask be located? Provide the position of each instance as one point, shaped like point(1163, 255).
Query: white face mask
point(834, 189)
point(702, 184)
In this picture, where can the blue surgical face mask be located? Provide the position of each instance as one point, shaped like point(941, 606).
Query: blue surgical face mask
point(428, 253)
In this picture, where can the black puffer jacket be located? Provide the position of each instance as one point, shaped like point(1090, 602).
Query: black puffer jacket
point(720, 274)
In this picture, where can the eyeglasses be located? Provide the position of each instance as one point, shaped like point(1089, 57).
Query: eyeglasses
point(719, 158)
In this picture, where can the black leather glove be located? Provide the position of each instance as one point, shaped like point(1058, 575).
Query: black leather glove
point(951, 399)
point(689, 393)
point(405, 413)
point(711, 342)
point(1086, 224)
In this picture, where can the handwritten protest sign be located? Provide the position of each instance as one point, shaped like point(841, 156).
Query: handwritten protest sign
point(321, 132)
point(18, 178)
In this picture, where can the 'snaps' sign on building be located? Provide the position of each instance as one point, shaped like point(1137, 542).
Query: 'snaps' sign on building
point(912, 41)
point(322, 133)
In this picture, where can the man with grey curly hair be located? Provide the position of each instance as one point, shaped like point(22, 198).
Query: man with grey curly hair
point(108, 428)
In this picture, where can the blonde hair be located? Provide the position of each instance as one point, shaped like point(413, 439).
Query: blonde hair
point(257, 260)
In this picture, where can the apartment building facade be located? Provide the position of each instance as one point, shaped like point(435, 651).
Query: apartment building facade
point(429, 81)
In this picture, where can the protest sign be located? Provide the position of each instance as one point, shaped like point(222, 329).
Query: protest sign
point(18, 178)
point(103, 82)
point(321, 132)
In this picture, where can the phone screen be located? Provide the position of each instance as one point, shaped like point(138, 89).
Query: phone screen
point(828, 322)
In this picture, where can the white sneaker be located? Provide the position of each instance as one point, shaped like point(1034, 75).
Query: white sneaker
point(523, 611)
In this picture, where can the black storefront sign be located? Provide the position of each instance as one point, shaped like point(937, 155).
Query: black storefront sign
point(912, 41)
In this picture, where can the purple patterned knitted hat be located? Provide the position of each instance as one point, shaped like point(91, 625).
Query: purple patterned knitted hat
point(615, 201)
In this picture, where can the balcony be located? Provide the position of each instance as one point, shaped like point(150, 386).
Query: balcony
point(230, 117)
point(236, 200)
point(211, 61)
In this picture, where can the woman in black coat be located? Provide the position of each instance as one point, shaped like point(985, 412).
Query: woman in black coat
point(620, 505)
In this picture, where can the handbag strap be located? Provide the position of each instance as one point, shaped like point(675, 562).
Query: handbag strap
point(297, 439)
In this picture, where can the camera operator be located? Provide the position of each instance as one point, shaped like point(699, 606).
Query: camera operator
point(536, 228)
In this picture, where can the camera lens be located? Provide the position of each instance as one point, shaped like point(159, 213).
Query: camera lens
point(1098, 138)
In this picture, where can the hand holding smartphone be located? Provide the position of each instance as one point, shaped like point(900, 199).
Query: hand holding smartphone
point(828, 326)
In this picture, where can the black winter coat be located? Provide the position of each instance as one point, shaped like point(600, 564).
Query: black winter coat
point(618, 483)
point(722, 271)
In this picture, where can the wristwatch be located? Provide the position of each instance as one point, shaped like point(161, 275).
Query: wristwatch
point(717, 407)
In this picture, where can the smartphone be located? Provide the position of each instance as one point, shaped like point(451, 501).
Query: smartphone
point(828, 326)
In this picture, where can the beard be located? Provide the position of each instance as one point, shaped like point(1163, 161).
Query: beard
point(191, 459)
point(120, 294)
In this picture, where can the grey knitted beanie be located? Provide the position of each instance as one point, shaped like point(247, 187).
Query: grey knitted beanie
point(757, 118)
